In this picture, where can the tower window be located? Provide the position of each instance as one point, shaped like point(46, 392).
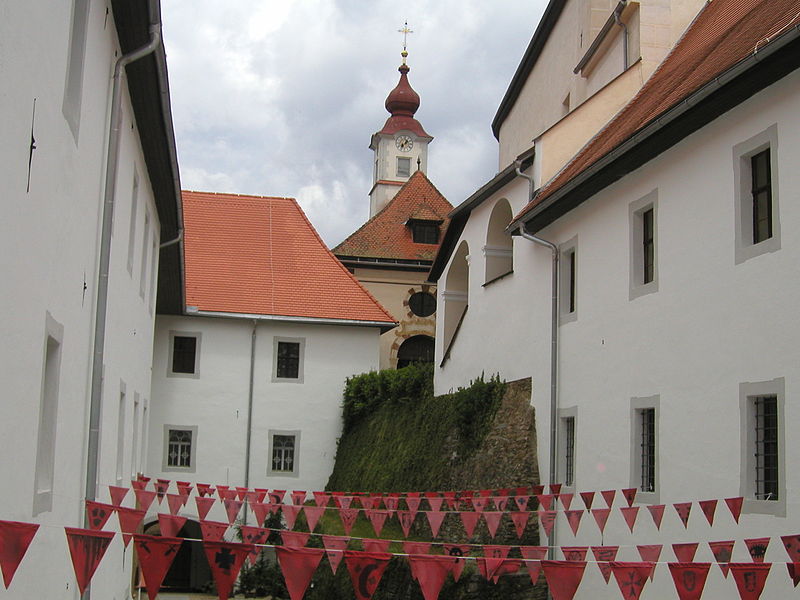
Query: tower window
point(403, 166)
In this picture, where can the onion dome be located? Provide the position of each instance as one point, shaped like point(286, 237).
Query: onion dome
point(402, 102)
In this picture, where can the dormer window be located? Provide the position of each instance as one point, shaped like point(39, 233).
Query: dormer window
point(424, 231)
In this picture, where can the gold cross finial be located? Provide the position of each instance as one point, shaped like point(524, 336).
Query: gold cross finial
point(405, 31)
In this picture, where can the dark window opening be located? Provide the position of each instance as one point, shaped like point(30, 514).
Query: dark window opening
point(184, 352)
point(283, 453)
point(762, 196)
point(766, 450)
point(288, 360)
point(416, 349)
point(569, 451)
point(648, 246)
point(425, 232)
point(189, 571)
point(648, 450)
point(422, 304)
point(571, 275)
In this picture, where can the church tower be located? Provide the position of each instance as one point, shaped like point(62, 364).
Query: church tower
point(401, 147)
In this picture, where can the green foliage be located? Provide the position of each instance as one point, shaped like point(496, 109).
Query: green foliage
point(262, 579)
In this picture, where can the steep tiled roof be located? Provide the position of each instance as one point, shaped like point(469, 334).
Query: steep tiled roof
point(386, 235)
point(257, 255)
point(723, 34)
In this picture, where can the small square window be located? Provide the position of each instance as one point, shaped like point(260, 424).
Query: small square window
point(284, 448)
point(180, 448)
point(403, 166)
point(184, 354)
point(288, 364)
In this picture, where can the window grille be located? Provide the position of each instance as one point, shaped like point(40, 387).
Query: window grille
point(283, 453)
point(179, 451)
point(762, 196)
point(766, 450)
point(648, 246)
point(184, 349)
point(288, 360)
point(425, 232)
point(648, 450)
point(569, 451)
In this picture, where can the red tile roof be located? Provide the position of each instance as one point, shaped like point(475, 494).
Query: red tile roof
point(386, 235)
point(258, 255)
point(724, 33)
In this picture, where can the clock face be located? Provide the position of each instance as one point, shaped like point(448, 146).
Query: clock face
point(404, 143)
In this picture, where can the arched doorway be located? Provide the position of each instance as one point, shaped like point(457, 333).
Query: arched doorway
point(416, 349)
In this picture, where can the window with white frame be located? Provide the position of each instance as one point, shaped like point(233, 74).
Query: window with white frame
point(184, 354)
point(755, 167)
point(567, 446)
point(284, 449)
point(644, 447)
point(48, 417)
point(180, 448)
point(643, 221)
point(73, 86)
point(762, 438)
point(288, 359)
point(568, 267)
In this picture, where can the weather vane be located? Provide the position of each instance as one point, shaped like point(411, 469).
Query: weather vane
point(405, 31)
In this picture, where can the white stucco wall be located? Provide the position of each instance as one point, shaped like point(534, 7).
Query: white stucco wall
point(712, 325)
point(49, 259)
point(216, 401)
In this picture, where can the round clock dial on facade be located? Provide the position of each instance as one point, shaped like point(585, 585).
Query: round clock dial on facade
point(404, 143)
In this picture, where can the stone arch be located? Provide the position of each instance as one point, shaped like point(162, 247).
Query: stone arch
point(456, 293)
point(498, 252)
point(416, 349)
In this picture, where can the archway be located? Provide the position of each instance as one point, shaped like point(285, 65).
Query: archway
point(416, 349)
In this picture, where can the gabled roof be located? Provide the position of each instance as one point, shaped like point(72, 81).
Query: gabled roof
point(253, 255)
point(733, 49)
point(387, 236)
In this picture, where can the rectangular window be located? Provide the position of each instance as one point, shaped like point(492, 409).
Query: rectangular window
point(180, 445)
point(403, 166)
point(762, 196)
point(73, 86)
point(283, 453)
point(569, 451)
point(425, 232)
point(136, 434)
point(48, 418)
point(643, 222)
point(647, 426)
point(132, 229)
point(184, 353)
point(648, 246)
point(571, 279)
point(766, 448)
point(143, 270)
point(121, 432)
point(289, 359)
point(153, 271)
point(568, 281)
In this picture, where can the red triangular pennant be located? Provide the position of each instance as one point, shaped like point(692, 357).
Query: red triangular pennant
point(685, 552)
point(689, 579)
point(170, 525)
point(155, 558)
point(213, 531)
point(416, 547)
point(377, 518)
point(537, 489)
point(650, 553)
point(184, 489)
point(321, 498)
point(162, 485)
point(574, 519)
point(367, 502)
point(792, 545)
point(348, 517)
point(608, 496)
point(15, 537)
point(379, 546)
point(709, 507)
point(630, 495)
point(794, 572)
point(500, 502)
point(298, 566)
point(97, 514)
point(313, 515)
point(547, 518)
point(563, 577)
point(588, 498)
point(435, 518)
point(629, 514)
point(223, 491)
point(757, 547)
point(277, 496)
point(175, 503)
point(683, 509)
point(470, 520)
point(631, 577)
point(204, 504)
point(298, 497)
point(555, 488)
point(574, 553)
point(458, 552)
point(522, 502)
point(144, 498)
point(290, 512)
point(735, 506)
point(479, 503)
point(413, 503)
point(86, 547)
point(430, 572)
point(204, 489)
point(225, 560)
point(533, 556)
point(520, 520)
point(366, 570)
point(232, 508)
point(657, 512)
point(334, 548)
point(750, 578)
point(343, 501)
point(605, 555)
point(117, 494)
point(601, 517)
point(138, 484)
point(545, 501)
point(129, 521)
point(260, 510)
point(722, 551)
point(257, 536)
point(492, 519)
point(566, 500)
point(406, 518)
point(295, 539)
point(493, 569)
point(434, 500)
point(391, 502)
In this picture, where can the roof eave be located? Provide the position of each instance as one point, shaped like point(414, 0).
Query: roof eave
point(729, 89)
point(383, 325)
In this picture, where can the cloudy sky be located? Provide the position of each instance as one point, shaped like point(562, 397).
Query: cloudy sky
point(280, 97)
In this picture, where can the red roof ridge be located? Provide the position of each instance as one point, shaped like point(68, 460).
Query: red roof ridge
point(231, 194)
